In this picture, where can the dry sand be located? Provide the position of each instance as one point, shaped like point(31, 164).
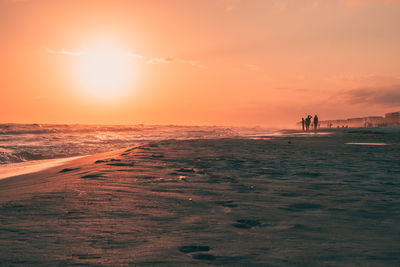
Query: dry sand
point(288, 201)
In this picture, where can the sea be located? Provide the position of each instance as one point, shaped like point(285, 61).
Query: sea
point(27, 142)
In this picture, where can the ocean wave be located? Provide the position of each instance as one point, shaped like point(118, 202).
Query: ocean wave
point(24, 142)
point(17, 129)
point(20, 156)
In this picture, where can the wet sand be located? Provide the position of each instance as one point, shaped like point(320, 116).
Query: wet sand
point(16, 169)
point(298, 201)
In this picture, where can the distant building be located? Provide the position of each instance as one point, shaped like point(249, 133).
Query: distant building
point(392, 118)
point(374, 121)
point(356, 122)
point(339, 123)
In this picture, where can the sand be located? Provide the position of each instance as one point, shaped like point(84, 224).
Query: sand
point(299, 201)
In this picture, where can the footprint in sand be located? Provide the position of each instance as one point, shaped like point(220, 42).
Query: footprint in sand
point(92, 176)
point(121, 164)
point(188, 170)
point(246, 224)
point(157, 156)
point(201, 256)
point(106, 160)
point(68, 170)
point(228, 204)
point(190, 249)
point(128, 151)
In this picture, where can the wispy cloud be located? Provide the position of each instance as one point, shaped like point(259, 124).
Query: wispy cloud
point(170, 60)
point(134, 55)
point(154, 61)
point(364, 80)
point(64, 52)
point(161, 60)
point(384, 96)
point(80, 53)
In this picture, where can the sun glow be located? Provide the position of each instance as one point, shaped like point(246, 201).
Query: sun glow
point(105, 72)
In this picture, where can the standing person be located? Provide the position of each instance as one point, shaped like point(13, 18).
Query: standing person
point(315, 122)
point(303, 122)
point(308, 122)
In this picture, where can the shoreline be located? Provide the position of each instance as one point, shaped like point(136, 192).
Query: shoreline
point(11, 170)
point(43, 177)
point(16, 169)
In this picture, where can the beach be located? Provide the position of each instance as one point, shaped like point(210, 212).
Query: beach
point(200, 133)
point(298, 200)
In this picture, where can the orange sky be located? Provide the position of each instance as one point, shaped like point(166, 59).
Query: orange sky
point(214, 62)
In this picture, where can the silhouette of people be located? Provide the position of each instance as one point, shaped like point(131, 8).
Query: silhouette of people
point(315, 122)
point(308, 122)
point(303, 122)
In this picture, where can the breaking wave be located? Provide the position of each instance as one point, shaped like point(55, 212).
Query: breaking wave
point(24, 142)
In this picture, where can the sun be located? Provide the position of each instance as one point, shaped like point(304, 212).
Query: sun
point(104, 72)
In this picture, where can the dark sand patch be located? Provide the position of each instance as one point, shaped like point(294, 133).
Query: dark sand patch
point(204, 257)
point(92, 176)
point(246, 224)
point(121, 164)
point(304, 206)
point(190, 249)
point(106, 160)
point(69, 170)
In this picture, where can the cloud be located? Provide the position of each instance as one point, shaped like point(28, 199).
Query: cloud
point(170, 60)
point(79, 53)
point(364, 80)
point(384, 96)
point(64, 52)
point(166, 60)
point(134, 55)
point(151, 61)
